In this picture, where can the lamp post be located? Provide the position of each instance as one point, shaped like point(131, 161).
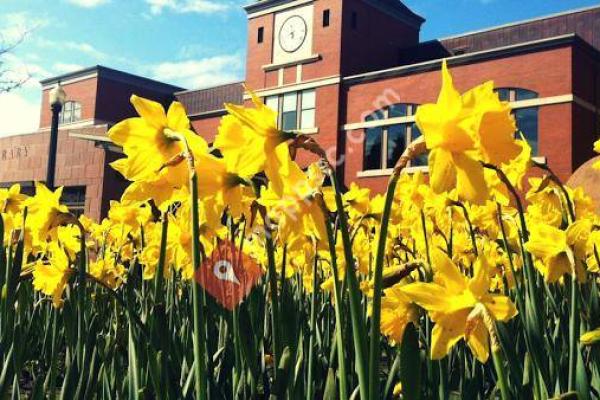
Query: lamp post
point(56, 98)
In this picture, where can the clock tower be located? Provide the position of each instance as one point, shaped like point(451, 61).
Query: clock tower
point(299, 51)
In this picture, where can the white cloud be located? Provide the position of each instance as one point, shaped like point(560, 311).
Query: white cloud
point(194, 74)
point(15, 26)
point(86, 48)
point(187, 6)
point(88, 3)
point(63, 68)
point(79, 47)
point(18, 114)
point(16, 69)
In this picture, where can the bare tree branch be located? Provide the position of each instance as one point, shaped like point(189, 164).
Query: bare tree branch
point(10, 79)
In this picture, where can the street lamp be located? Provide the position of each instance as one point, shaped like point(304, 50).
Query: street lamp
point(56, 98)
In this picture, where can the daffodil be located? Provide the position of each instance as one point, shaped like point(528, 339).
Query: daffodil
point(397, 311)
point(52, 275)
point(590, 337)
point(461, 132)
point(11, 199)
point(451, 298)
point(227, 181)
point(554, 250)
point(154, 152)
point(108, 271)
point(45, 212)
point(295, 208)
point(515, 170)
point(253, 134)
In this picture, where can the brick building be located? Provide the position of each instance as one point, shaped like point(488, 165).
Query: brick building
point(352, 73)
point(98, 97)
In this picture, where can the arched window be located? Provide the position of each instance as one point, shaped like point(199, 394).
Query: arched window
point(525, 116)
point(71, 112)
point(385, 144)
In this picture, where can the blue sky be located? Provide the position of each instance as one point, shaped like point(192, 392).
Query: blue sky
point(191, 43)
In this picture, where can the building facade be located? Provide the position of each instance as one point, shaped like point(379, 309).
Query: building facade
point(350, 73)
point(98, 98)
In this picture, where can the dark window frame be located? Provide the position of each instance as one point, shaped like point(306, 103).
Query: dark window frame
point(411, 132)
point(326, 18)
point(260, 34)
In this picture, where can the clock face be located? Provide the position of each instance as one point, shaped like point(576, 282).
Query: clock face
point(293, 33)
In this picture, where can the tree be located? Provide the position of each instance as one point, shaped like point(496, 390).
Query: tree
point(9, 79)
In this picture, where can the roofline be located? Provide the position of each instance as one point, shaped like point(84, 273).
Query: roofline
point(261, 6)
point(105, 72)
point(522, 22)
point(462, 59)
point(209, 88)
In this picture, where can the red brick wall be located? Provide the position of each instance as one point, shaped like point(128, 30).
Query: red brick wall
point(555, 122)
point(259, 54)
point(326, 41)
point(84, 91)
point(207, 127)
point(375, 43)
point(78, 163)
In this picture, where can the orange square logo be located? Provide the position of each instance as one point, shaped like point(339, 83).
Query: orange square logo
point(228, 275)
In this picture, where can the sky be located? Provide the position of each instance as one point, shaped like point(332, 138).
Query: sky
point(190, 43)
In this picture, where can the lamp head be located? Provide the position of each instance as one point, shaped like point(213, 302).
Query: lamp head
point(57, 96)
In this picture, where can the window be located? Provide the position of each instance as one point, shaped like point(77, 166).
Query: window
point(354, 20)
point(295, 110)
point(326, 15)
point(71, 112)
point(261, 34)
point(385, 144)
point(74, 198)
point(526, 117)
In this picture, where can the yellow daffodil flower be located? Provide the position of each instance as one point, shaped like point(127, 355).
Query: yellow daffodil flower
point(253, 133)
point(295, 209)
point(554, 249)
point(108, 271)
point(11, 199)
point(590, 337)
point(450, 299)
point(150, 145)
point(462, 131)
point(51, 277)
point(44, 213)
point(397, 311)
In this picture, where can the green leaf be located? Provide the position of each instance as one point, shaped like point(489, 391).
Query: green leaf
point(410, 364)
point(330, 389)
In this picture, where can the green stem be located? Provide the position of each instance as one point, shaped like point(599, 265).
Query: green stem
point(339, 323)
point(375, 350)
point(82, 299)
point(313, 329)
point(160, 269)
point(270, 248)
point(200, 378)
point(356, 316)
point(573, 332)
point(498, 358)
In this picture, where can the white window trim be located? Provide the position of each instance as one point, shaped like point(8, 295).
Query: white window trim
point(299, 110)
point(539, 102)
point(376, 173)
